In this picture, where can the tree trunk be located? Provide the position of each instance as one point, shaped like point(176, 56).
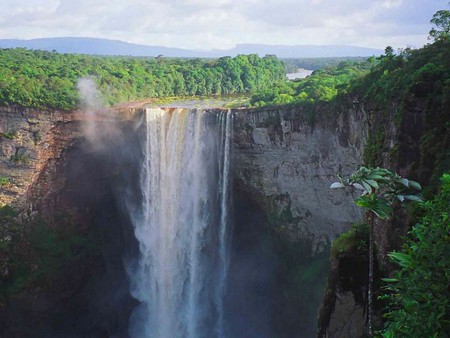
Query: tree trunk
point(370, 219)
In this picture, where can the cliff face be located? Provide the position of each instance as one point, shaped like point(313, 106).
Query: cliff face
point(287, 164)
point(64, 252)
point(33, 147)
point(30, 140)
point(283, 165)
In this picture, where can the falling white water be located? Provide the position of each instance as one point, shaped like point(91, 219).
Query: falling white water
point(183, 231)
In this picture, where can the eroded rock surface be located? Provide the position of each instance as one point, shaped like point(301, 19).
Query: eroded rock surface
point(288, 163)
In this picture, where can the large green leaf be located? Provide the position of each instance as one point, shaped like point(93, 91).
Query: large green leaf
point(401, 198)
point(336, 185)
point(414, 185)
point(415, 198)
point(403, 181)
point(372, 183)
point(382, 209)
point(404, 260)
point(367, 186)
point(365, 201)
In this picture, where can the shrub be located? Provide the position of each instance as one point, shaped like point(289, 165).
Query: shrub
point(419, 295)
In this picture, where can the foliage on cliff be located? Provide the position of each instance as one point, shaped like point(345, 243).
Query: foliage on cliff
point(423, 72)
point(32, 254)
point(399, 86)
point(46, 79)
point(419, 301)
point(410, 91)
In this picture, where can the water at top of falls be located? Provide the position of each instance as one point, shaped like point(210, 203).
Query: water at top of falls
point(183, 225)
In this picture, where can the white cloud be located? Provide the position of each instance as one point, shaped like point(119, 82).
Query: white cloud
point(391, 3)
point(219, 24)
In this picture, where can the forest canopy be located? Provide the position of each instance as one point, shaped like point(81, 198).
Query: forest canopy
point(37, 78)
point(322, 86)
point(292, 64)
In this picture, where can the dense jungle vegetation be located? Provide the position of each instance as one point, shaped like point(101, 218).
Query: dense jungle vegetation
point(45, 79)
point(292, 64)
point(418, 296)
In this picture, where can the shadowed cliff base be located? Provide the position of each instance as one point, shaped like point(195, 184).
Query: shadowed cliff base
point(87, 292)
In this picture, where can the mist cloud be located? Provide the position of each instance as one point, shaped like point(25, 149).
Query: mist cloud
point(99, 127)
point(89, 95)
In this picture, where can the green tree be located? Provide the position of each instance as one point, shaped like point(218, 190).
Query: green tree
point(441, 19)
point(381, 188)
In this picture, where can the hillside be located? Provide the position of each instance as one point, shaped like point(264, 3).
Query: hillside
point(113, 47)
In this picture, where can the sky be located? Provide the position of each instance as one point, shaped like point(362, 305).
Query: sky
point(221, 24)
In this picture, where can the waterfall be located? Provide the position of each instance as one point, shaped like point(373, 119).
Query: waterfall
point(183, 225)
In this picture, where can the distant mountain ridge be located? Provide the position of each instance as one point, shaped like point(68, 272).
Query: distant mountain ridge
point(94, 46)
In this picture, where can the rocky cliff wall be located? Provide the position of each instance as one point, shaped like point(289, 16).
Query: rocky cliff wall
point(287, 164)
point(283, 164)
point(29, 140)
point(33, 144)
point(284, 161)
point(61, 262)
